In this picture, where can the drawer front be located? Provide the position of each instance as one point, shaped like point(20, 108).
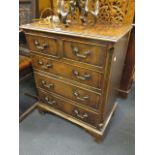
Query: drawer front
point(43, 45)
point(74, 93)
point(78, 74)
point(86, 53)
point(68, 108)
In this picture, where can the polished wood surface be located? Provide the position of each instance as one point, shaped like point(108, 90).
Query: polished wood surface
point(73, 110)
point(63, 81)
point(84, 52)
point(101, 32)
point(44, 45)
point(125, 8)
point(86, 76)
point(67, 90)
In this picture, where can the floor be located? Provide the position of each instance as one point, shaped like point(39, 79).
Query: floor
point(27, 86)
point(51, 135)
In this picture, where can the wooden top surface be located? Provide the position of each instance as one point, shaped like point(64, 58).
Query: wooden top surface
point(99, 32)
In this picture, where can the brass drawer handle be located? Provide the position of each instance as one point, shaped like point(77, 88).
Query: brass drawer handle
point(45, 67)
point(48, 86)
point(84, 78)
point(84, 98)
point(84, 55)
point(80, 116)
point(40, 62)
point(44, 46)
point(50, 102)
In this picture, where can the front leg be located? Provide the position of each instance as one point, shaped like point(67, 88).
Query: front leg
point(98, 138)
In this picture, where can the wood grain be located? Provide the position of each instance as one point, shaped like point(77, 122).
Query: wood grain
point(101, 32)
point(89, 104)
point(69, 91)
point(64, 106)
point(79, 74)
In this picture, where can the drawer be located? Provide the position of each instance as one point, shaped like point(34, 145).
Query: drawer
point(43, 45)
point(83, 76)
point(73, 110)
point(86, 53)
point(67, 90)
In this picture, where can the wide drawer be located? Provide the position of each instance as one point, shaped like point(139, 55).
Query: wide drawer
point(68, 90)
point(81, 75)
point(68, 108)
point(43, 45)
point(87, 53)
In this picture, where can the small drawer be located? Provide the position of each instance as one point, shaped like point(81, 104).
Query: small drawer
point(43, 45)
point(62, 105)
point(81, 75)
point(67, 90)
point(86, 53)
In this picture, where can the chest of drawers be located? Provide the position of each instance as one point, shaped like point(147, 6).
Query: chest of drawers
point(77, 74)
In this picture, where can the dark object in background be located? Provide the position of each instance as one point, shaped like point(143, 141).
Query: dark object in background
point(28, 10)
point(22, 38)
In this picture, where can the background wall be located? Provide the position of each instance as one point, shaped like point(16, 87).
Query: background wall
point(43, 4)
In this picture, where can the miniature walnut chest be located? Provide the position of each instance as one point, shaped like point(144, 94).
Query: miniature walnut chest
point(77, 71)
